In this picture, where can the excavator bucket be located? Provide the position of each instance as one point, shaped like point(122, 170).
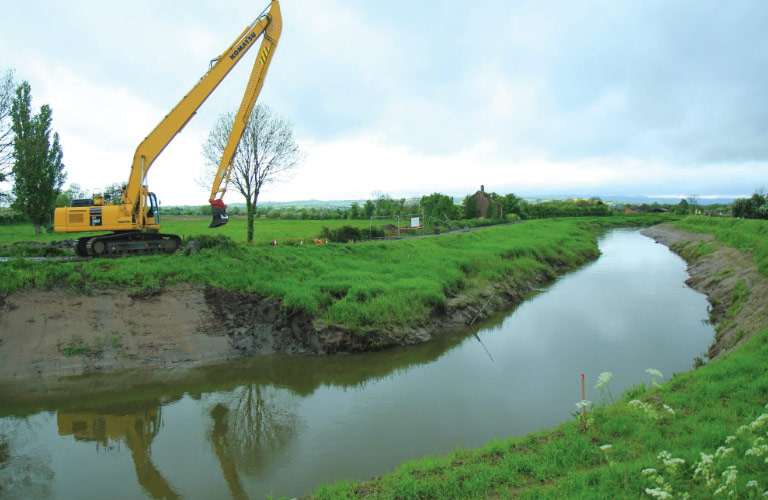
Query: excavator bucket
point(220, 216)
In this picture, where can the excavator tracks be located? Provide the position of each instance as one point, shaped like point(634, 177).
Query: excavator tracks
point(129, 243)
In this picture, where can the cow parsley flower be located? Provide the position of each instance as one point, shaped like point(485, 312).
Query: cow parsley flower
point(654, 373)
point(583, 404)
point(603, 379)
point(730, 474)
point(658, 493)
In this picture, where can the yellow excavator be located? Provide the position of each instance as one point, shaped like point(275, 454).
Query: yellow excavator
point(132, 213)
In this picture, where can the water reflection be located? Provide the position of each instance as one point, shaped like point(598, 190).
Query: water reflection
point(301, 375)
point(250, 428)
point(137, 430)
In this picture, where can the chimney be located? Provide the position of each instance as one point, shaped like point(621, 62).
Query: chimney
point(482, 188)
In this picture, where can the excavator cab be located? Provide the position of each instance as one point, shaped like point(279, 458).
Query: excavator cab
point(219, 212)
point(153, 211)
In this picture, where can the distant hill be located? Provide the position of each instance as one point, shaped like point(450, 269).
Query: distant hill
point(675, 200)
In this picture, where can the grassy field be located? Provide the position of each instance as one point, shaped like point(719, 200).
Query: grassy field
point(702, 434)
point(264, 231)
point(360, 285)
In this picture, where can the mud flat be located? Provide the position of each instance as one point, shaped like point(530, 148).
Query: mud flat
point(717, 274)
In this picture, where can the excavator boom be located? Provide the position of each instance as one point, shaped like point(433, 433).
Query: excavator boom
point(137, 209)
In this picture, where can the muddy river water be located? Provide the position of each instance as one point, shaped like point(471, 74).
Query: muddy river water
point(282, 425)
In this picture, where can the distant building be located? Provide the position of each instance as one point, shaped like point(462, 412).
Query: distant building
point(486, 206)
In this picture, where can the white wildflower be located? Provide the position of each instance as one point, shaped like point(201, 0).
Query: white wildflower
point(647, 408)
point(669, 409)
point(583, 404)
point(753, 484)
point(757, 451)
point(654, 373)
point(658, 493)
point(649, 471)
point(730, 474)
point(719, 490)
point(606, 447)
point(722, 451)
point(704, 469)
point(730, 439)
point(603, 379)
point(759, 421)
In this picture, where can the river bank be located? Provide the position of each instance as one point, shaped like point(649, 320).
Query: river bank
point(734, 287)
point(692, 437)
point(335, 300)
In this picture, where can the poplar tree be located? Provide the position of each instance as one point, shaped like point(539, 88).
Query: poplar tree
point(38, 172)
point(6, 134)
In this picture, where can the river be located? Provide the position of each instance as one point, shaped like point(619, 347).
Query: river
point(284, 424)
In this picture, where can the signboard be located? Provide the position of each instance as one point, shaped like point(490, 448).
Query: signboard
point(414, 222)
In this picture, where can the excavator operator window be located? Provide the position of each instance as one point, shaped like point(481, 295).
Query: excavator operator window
point(153, 210)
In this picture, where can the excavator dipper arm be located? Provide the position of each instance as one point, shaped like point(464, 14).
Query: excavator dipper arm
point(269, 23)
point(271, 30)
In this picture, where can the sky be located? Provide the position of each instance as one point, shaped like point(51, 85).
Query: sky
point(407, 98)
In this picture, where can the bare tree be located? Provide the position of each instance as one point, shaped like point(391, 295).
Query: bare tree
point(693, 201)
point(7, 87)
point(266, 154)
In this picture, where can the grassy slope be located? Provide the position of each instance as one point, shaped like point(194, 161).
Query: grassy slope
point(715, 421)
point(359, 285)
point(750, 236)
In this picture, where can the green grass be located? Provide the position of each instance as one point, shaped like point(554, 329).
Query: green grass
point(692, 251)
point(265, 230)
point(362, 285)
point(75, 347)
point(748, 235)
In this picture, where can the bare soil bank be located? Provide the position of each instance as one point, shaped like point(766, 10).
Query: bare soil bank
point(48, 333)
point(716, 275)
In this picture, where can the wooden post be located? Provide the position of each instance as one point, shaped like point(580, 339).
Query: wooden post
point(583, 405)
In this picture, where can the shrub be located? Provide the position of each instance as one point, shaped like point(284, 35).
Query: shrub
point(342, 234)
